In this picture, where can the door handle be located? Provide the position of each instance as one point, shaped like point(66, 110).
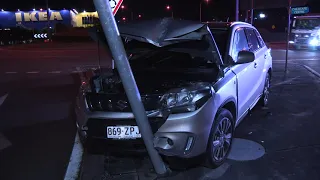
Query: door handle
point(255, 65)
point(265, 56)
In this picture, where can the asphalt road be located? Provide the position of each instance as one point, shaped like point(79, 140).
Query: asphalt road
point(38, 84)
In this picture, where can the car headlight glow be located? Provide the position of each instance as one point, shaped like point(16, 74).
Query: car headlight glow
point(186, 99)
point(314, 42)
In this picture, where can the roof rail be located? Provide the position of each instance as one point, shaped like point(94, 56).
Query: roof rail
point(239, 23)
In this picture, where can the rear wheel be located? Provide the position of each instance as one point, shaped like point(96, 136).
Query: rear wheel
point(264, 101)
point(220, 140)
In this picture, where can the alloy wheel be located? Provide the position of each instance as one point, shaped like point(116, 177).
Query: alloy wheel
point(266, 91)
point(222, 139)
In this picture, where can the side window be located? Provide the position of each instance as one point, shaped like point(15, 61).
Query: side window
point(261, 42)
point(252, 40)
point(240, 43)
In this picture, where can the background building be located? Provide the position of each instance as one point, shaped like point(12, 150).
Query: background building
point(39, 20)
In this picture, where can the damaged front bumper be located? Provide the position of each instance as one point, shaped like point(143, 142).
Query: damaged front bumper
point(182, 135)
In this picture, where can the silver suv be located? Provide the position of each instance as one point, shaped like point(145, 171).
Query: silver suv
point(197, 82)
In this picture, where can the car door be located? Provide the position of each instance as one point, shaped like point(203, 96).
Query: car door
point(257, 71)
point(239, 43)
point(267, 58)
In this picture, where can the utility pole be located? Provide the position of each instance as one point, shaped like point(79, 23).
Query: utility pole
point(237, 10)
point(118, 52)
point(252, 12)
point(48, 20)
point(200, 11)
point(288, 35)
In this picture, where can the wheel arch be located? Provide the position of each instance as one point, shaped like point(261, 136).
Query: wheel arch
point(230, 105)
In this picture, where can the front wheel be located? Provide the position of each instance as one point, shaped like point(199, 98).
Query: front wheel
point(220, 139)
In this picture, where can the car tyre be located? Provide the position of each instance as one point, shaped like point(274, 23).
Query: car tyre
point(264, 100)
point(220, 140)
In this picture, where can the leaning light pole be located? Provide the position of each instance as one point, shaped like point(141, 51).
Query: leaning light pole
point(118, 52)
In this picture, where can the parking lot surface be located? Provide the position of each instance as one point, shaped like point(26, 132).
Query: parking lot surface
point(278, 142)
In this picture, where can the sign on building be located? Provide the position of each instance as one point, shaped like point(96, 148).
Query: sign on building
point(37, 16)
point(300, 10)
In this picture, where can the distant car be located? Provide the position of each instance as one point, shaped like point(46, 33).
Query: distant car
point(197, 82)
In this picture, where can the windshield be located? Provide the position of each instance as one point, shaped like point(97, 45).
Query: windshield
point(189, 54)
point(309, 23)
point(221, 37)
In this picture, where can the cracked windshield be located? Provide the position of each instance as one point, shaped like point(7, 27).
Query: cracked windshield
point(170, 89)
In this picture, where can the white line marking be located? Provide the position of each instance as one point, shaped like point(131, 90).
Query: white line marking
point(312, 71)
point(4, 142)
point(3, 98)
point(11, 72)
point(297, 59)
point(73, 170)
point(32, 72)
point(285, 82)
point(54, 72)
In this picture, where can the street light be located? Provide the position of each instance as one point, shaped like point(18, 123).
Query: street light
point(130, 10)
point(262, 15)
point(207, 1)
point(169, 8)
point(139, 16)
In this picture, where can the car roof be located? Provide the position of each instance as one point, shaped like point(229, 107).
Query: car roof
point(226, 25)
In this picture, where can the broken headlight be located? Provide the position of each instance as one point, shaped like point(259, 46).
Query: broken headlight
point(186, 99)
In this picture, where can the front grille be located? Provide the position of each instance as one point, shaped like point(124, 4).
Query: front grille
point(302, 41)
point(119, 102)
point(97, 127)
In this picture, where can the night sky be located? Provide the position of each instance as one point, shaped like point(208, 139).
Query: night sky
point(151, 8)
point(185, 9)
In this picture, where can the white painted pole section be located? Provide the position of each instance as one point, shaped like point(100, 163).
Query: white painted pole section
point(74, 167)
point(4, 142)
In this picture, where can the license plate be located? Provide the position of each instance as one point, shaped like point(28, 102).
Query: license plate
point(123, 132)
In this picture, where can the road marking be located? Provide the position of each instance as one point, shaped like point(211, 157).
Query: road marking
point(296, 60)
point(11, 72)
point(33, 72)
point(54, 72)
point(73, 170)
point(3, 98)
point(4, 142)
point(312, 71)
point(285, 82)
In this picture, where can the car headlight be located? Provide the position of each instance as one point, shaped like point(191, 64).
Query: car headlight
point(314, 42)
point(186, 99)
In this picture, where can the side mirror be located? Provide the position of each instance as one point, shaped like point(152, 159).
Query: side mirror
point(245, 57)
